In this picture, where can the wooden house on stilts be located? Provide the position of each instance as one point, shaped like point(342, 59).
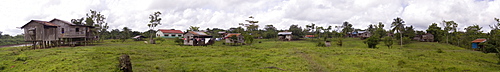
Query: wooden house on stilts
point(56, 32)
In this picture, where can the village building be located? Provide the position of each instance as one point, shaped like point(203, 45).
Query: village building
point(309, 36)
point(169, 33)
point(234, 38)
point(285, 36)
point(424, 38)
point(475, 43)
point(363, 34)
point(55, 32)
point(197, 38)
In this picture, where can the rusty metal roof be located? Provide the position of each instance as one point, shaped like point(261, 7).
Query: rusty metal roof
point(45, 23)
point(479, 40)
point(233, 34)
point(198, 33)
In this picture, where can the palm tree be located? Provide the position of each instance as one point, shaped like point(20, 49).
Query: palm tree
point(397, 25)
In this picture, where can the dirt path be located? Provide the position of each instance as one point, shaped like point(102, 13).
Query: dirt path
point(312, 63)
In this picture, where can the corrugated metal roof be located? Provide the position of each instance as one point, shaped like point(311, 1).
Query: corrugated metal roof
point(284, 33)
point(479, 40)
point(170, 31)
point(233, 34)
point(199, 33)
point(45, 23)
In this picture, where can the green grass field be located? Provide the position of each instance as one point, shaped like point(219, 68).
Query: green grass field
point(295, 56)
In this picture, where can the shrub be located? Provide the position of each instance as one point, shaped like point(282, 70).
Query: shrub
point(440, 51)
point(372, 42)
point(388, 41)
point(21, 58)
point(160, 39)
point(179, 41)
point(339, 42)
point(320, 44)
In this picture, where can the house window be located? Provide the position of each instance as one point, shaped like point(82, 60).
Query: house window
point(179, 35)
point(77, 29)
point(62, 30)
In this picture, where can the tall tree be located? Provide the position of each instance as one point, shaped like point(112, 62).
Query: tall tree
point(449, 26)
point(297, 31)
point(270, 32)
point(398, 25)
point(126, 32)
point(194, 28)
point(97, 20)
point(436, 31)
point(346, 28)
point(154, 21)
point(77, 21)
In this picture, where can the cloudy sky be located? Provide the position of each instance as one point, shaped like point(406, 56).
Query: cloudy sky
point(180, 14)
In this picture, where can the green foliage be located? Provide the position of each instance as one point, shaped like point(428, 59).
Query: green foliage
point(160, 39)
point(179, 41)
point(248, 39)
point(440, 51)
point(406, 40)
point(321, 44)
point(194, 28)
point(388, 41)
point(372, 42)
point(339, 42)
point(435, 30)
point(296, 31)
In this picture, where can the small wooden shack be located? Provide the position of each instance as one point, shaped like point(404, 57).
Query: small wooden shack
point(40, 33)
point(285, 36)
point(364, 34)
point(475, 43)
point(234, 38)
point(197, 38)
point(424, 38)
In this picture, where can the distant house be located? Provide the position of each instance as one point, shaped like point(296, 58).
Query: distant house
point(234, 38)
point(286, 36)
point(309, 36)
point(424, 38)
point(475, 43)
point(169, 33)
point(197, 38)
point(364, 34)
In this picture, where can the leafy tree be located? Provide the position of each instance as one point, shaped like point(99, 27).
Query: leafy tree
point(270, 32)
point(398, 25)
point(296, 31)
point(388, 41)
point(449, 26)
point(96, 19)
point(252, 24)
point(409, 32)
point(372, 41)
point(436, 31)
point(194, 28)
point(379, 30)
point(155, 21)
point(346, 27)
point(77, 21)
point(126, 32)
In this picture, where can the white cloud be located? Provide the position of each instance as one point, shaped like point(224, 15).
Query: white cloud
point(180, 14)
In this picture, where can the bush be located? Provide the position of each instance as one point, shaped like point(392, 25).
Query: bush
point(179, 41)
point(21, 58)
point(440, 51)
point(406, 40)
point(372, 42)
point(339, 42)
point(320, 44)
point(160, 39)
point(388, 41)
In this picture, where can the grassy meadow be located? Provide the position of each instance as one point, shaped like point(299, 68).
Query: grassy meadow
point(267, 56)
